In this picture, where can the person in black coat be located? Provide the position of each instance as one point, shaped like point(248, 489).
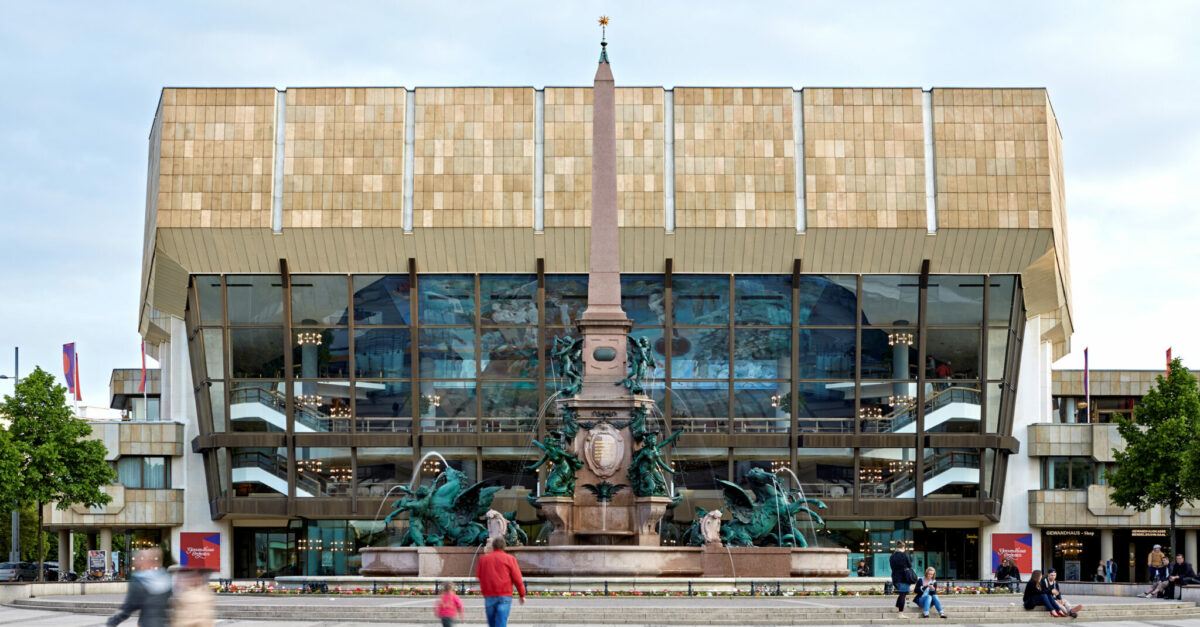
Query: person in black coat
point(149, 592)
point(1008, 574)
point(1180, 574)
point(1038, 595)
point(900, 566)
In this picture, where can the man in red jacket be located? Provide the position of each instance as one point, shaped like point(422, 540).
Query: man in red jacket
point(498, 573)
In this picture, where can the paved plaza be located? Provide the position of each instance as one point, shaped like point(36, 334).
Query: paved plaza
point(374, 610)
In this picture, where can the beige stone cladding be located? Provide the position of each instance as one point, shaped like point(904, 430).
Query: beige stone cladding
point(215, 158)
point(1104, 382)
point(128, 508)
point(1094, 508)
point(568, 157)
point(640, 130)
point(864, 158)
point(473, 157)
point(344, 157)
point(994, 162)
point(734, 157)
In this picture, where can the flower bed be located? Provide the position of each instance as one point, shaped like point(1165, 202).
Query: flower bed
point(764, 590)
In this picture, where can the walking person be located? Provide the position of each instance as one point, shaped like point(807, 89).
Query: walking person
point(192, 602)
point(927, 593)
point(903, 578)
point(149, 591)
point(1111, 567)
point(449, 606)
point(498, 574)
point(1037, 596)
point(1051, 586)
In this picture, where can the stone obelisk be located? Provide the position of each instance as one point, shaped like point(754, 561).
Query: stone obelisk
point(604, 324)
point(604, 406)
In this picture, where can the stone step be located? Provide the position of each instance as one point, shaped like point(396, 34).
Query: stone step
point(714, 615)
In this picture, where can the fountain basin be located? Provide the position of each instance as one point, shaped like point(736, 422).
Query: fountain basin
point(614, 561)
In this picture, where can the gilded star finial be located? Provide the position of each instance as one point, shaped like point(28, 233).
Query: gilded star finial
point(603, 44)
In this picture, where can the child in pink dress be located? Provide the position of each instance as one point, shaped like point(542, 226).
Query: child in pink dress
point(448, 606)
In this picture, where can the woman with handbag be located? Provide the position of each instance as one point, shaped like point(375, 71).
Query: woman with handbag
point(903, 578)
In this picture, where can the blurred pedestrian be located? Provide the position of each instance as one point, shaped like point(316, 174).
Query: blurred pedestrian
point(498, 574)
point(449, 606)
point(149, 591)
point(193, 601)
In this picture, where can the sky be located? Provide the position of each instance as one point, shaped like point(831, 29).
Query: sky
point(81, 81)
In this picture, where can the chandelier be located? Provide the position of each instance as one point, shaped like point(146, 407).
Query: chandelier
point(869, 412)
point(311, 400)
point(307, 338)
point(900, 337)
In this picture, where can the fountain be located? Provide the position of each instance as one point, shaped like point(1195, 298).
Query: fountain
point(609, 485)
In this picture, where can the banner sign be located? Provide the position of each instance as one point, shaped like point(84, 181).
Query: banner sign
point(1016, 546)
point(200, 550)
point(96, 562)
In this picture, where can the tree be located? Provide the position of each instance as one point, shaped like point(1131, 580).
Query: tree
point(29, 528)
point(1153, 468)
point(54, 462)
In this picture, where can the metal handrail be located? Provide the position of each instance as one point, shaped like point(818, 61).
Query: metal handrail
point(907, 414)
point(304, 415)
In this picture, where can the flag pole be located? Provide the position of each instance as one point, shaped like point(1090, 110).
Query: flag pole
point(1087, 387)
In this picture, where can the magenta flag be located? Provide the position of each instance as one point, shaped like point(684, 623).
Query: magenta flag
point(71, 370)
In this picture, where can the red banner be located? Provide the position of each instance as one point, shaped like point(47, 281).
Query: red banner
point(1016, 546)
point(200, 550)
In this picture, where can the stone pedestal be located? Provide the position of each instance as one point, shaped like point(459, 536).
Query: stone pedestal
point(648, 511)
point(560, 511)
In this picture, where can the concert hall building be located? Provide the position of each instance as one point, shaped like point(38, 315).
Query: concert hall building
point(863, 286)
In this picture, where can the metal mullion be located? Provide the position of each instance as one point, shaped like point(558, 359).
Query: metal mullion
point(858, 305)
point(858, 329)
point(794, 363)
point(668, 342)
point(354, 477)
point(922, 330)
point(289, 383)
point(351, 365)
point(226, 358)
point(478, 361)
point(414, 362)
point(541, 337)
point(983, 382)
point(729, 374)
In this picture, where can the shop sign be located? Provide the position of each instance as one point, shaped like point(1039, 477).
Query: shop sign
point(200, 550)
point(1086, 533)
point(1148, 533)
point(1016, 546)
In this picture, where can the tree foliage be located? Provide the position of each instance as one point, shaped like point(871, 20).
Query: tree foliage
point(48, 457)
point(1158, 438)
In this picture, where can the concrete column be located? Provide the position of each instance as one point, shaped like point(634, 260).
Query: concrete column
point(1106, 545)
point(1189, 545)
point(66, 552)
point(106, 546)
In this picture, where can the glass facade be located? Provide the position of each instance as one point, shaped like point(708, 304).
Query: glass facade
point(881, 361)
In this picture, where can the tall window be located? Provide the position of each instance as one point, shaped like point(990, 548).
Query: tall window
point(146, 473)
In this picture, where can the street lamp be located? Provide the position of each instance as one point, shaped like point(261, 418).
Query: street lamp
point(14, 554)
